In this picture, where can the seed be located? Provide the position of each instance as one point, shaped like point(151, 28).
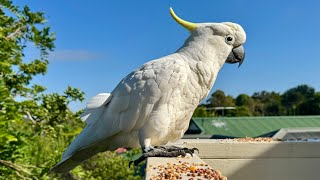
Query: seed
point(223, 178)
point(218, 172)
point(193, 168)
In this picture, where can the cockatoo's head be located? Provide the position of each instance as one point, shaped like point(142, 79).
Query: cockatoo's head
point(227, 37)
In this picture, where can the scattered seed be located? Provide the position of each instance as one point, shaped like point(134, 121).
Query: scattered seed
point(191, 170)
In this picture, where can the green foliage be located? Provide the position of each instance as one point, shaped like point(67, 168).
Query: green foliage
point(244, 100)
point(294, 98)
point(299, 100)
point(108, 165)
point(242, 111)
point(311, 106)
point(36, 127)
point(267, 103)
point(201, 112)
point(218, 98)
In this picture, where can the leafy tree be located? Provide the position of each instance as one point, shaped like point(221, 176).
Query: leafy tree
point(201, 112)
point(299, 100)
point(294, 97)
point(267, 103)
point(36, 127)
point(218, 98)
point(116, 167)
point(242, 111)
point(245, 105)
point(311, 106)
point(244, 100)
point(18, 28)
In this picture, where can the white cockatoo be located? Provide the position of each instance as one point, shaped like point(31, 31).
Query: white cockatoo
point(153, 105)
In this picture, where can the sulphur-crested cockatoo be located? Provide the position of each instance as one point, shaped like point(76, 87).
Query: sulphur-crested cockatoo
point(154, 104)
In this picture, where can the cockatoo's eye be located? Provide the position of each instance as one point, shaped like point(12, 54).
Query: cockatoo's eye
point(229, 39)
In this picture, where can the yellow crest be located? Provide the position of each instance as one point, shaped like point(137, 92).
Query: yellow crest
point(188, 25)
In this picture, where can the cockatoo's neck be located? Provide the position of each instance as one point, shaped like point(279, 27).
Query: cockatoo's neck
point(210, 51)
point(205, 49)
point(205, 57)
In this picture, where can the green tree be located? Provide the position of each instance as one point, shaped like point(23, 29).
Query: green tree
point(244, 100)
point(219, 99)
point(267, 103)
point(200, 112)
point(311, 106)
point(294, 97)
point(36, 127)
point(299, 100)
point(242, 111)
point(18, 28)
point(29, 119)
point(245, 105)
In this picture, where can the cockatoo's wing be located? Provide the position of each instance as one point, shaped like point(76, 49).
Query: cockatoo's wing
point(94, 107)
point(125, 110)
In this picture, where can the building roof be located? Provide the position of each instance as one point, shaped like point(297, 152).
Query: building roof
point(252, 126)
point(302, 134)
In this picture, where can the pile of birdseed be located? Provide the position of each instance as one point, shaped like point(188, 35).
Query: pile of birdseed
point(258, 139)
point(185, 170)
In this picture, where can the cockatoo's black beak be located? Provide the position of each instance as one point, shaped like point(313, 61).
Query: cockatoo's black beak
point(237, 55)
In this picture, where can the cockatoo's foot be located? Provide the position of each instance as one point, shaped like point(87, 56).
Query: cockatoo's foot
point(164, 151)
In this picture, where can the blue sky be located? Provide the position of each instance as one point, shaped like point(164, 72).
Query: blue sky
point(99, 42)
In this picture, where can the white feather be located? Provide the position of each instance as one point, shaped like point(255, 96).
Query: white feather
point(93, 110)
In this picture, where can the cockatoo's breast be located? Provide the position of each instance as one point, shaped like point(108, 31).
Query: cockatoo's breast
point(169, 90)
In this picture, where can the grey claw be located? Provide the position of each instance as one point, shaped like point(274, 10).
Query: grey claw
point(130, 163)
point(193, 149)
point(189, 151)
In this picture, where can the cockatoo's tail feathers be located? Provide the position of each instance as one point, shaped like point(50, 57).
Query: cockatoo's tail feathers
point(93, 109)
point(188, 25)
point(70, 162)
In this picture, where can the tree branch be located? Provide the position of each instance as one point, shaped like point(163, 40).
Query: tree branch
point(22, 177)
point(16, 168)
point(13, 34)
